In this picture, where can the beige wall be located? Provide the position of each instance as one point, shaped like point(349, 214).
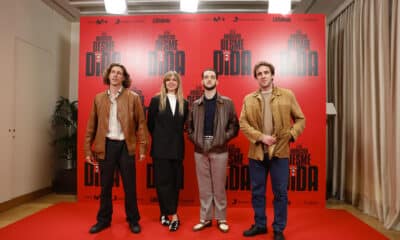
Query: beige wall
point(74, 61)
point(35, 67)
point(7, 26)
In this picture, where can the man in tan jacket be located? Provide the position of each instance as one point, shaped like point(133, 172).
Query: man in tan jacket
point(266, 120)
point(116, 123)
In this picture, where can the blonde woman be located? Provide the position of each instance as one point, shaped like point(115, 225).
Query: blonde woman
point(167, 115)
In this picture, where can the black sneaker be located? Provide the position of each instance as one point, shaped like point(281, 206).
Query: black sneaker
point(164, 220)
point(99, 227)
point(278, 236)
point(135, 227)
point(174, 225)
point(255, 230)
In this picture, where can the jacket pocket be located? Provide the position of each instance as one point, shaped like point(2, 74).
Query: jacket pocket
point(282, 145)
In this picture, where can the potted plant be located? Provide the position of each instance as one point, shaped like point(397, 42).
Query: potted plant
point(65, 123)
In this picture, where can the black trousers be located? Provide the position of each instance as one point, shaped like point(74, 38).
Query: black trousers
point(168, 174)
point(117, 157)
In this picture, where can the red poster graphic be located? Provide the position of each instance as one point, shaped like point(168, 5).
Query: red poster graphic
point(231, 43)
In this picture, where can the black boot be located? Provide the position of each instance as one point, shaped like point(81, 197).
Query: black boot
point(255, 230)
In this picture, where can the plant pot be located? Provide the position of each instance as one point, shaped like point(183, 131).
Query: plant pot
point(69, 164)
point(65, 181)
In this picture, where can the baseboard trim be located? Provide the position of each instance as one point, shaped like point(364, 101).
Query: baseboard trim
point(24, 198)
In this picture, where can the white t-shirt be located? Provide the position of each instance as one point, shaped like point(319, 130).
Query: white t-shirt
point(172, 102)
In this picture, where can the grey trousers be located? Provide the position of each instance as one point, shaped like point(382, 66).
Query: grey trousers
point(211, 177)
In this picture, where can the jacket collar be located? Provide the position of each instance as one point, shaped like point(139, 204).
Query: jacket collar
point(219, 99)
point(275, 92)
point(120, 91)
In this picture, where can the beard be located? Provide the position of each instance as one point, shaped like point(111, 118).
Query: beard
point(209, 88)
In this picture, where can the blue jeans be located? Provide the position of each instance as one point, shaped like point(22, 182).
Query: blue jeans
point(279, 169)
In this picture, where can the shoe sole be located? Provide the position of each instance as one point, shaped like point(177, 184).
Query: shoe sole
point(252, 235)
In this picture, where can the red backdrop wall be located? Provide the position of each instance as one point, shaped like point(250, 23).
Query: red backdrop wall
point(232, 43)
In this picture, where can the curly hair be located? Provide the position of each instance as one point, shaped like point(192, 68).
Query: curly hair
point(127, 79)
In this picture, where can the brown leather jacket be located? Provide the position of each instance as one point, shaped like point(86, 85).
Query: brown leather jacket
point(284, 108)
point(226, 125)
point(131, 117)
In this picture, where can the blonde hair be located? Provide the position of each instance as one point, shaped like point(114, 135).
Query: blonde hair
point(178, 92)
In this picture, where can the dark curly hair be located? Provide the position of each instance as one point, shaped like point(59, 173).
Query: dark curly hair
point(127, 79)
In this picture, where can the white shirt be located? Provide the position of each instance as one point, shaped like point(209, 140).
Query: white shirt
point(114, 126)
point(172, 102)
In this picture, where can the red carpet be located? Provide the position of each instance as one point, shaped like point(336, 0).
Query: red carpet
point(72, 221)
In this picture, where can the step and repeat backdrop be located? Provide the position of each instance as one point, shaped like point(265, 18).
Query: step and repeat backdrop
point(150, 45)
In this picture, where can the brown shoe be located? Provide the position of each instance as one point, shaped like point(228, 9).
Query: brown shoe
point(201, 225)
point(223, 226)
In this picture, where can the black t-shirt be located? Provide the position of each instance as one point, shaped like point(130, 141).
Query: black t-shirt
point(209, 113)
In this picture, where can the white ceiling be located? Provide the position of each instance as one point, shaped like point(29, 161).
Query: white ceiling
point(73, 9)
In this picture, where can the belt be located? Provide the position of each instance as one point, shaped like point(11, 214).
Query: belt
point(208, 137)
point(114, 140)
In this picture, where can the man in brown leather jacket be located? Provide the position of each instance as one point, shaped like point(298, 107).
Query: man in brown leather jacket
point(266, 120)
point(116, 123)
point(212, 123)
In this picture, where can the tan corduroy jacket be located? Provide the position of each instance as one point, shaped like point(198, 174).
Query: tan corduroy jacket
point(284, 108)
point(131, 117)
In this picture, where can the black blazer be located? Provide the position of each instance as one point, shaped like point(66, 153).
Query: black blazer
point(166, 130)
